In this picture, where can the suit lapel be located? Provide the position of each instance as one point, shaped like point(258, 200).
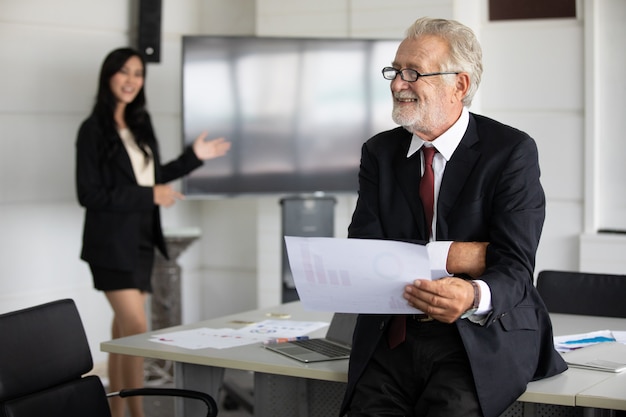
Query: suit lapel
point(457, 172)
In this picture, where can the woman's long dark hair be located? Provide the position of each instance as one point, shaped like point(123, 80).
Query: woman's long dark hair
point(135, 115)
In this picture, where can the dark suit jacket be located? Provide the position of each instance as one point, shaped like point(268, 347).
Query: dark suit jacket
point(114, 202)
point(490, 192)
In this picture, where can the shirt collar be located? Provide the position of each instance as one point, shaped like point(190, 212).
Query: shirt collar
point(447, 143)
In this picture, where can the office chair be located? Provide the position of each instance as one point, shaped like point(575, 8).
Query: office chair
point(583, 293)
point(43, 356)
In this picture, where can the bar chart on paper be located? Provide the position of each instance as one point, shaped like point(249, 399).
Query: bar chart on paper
point(355, 275)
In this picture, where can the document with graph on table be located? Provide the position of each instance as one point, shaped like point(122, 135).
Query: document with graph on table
point(356, 275)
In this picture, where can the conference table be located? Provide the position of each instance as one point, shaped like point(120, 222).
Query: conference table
point(285, 387)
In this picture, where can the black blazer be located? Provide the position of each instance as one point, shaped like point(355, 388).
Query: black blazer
point(114, 202)
point(491, 192)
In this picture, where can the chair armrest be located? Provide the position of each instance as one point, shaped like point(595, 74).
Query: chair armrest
point(170, 392)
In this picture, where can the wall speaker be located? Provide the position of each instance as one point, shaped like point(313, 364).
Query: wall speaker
point(149, 32)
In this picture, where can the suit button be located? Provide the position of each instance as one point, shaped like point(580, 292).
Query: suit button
point(382, 325)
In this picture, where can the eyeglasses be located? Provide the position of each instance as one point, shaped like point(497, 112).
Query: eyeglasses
point(408, 75)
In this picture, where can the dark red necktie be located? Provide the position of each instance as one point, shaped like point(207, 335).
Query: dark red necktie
point(427, 186)
point(397, 325)
point(397, 331)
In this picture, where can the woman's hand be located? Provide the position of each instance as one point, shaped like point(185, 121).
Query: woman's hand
point(209, 149)
point(165, 195)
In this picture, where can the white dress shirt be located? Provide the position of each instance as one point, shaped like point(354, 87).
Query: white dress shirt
point(446, 144)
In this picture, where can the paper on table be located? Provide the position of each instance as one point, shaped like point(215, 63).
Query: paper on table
point(619, 335)
point(355, 275)
point(281, 328)
point(577, 341)
point(204, 337)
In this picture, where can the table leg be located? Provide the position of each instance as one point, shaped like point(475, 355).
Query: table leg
point(530, 409)
point(597, 412)
point(287, 396)
point(199, 378)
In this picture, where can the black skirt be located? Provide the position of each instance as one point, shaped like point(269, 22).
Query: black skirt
point(107, 279)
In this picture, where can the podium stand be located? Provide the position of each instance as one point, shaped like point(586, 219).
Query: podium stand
point(165, 302)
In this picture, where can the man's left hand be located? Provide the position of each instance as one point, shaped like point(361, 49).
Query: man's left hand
point(445, 299)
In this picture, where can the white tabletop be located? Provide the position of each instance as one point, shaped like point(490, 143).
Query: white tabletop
point(597, 388)
point(563, 389)
point(610, 393)
point(249, 357)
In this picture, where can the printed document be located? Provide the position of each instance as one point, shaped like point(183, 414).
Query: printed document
point(355, 275)
point(263, 331)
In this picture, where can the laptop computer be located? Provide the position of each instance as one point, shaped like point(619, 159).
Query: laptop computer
point(336, 345)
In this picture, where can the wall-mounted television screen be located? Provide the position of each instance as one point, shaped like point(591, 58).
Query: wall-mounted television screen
point(296, 111)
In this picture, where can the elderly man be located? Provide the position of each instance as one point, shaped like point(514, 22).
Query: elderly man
point(455, 179)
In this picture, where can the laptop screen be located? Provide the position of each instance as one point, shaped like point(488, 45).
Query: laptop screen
point(341, 328)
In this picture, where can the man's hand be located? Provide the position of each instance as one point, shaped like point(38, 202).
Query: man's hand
point(444, 300)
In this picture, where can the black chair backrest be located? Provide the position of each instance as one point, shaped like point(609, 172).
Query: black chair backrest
point(583, 293)
point(43, 355)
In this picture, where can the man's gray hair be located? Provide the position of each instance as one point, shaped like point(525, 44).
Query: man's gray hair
point(465, 53)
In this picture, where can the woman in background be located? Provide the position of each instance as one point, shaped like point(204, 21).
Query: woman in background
point(121, 183)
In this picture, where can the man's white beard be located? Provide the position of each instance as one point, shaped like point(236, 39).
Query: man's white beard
point(418, 120)
point(404, 118)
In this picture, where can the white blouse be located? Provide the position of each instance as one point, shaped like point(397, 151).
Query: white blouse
point(142, 167)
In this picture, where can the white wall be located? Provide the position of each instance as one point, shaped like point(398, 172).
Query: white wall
point(51, 53)
point(605, 92)
point(608, 31)
point(525, 86)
